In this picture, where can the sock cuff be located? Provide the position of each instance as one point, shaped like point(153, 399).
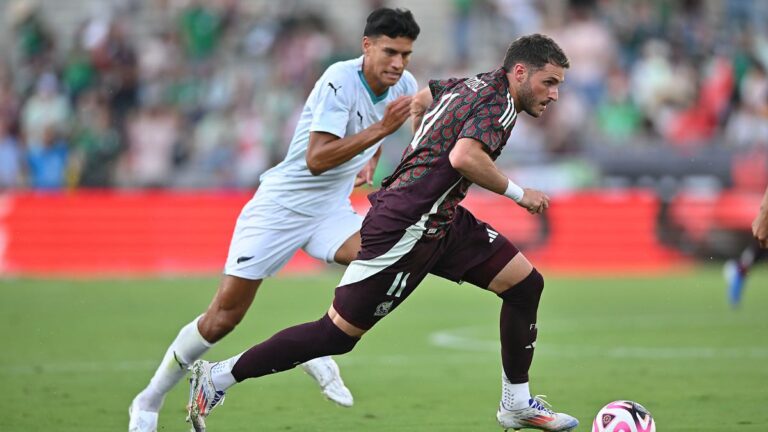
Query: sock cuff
point(196, 332)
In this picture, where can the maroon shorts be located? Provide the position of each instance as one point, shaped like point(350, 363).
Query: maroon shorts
point(377, 282)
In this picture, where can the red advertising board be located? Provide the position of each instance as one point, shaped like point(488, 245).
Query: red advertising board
point(149, 233)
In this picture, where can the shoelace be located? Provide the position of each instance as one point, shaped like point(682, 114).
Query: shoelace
point(539, 402)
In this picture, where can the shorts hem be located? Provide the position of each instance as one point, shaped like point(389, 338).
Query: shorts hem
point(331, 254)
point(246, 275)
point(355, 323)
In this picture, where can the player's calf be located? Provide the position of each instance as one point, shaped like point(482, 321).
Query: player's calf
point(291, 347)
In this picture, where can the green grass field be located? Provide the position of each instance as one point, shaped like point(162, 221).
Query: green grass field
point(74, 353)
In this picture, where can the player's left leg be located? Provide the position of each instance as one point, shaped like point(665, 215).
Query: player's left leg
point(508, 273)
point(519, 285)
point(285, 350)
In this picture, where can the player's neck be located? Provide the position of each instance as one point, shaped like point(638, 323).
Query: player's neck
point(512, 91)
point(377, 88)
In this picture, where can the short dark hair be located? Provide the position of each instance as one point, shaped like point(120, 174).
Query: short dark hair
point(535, 50)
point(392, 23)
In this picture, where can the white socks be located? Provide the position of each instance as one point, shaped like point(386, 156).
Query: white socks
point(221, 373)
point(514, 396)
point(188, 346)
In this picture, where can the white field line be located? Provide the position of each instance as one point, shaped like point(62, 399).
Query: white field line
point(464, 339)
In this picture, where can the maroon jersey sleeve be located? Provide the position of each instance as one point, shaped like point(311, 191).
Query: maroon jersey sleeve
point(439, 86)
point(483, 124)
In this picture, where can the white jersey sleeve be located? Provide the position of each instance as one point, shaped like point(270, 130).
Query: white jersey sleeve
point(334, 100)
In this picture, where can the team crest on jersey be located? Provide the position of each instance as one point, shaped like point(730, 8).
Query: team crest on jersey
point(383, 308)
point(475, 84)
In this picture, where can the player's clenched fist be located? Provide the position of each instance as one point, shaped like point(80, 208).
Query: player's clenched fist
point(535, 201)
point(396, 113)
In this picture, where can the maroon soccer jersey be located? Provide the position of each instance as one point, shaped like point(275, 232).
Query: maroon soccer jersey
point(424, 190)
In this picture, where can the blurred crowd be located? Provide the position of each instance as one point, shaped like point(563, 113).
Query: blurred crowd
point(206, 93)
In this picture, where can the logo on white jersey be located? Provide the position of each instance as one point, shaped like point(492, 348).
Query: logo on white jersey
point(491, 235)
point(335, 89)
point(383, 308)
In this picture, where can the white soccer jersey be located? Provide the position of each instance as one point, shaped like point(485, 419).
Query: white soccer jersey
point(341, 103)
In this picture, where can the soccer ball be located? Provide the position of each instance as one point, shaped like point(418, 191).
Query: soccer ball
point(623, 416)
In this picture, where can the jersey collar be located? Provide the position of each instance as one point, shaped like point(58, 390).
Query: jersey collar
point(375, 99)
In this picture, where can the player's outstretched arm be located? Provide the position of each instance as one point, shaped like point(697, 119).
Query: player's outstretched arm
point(421, 101)
point(760, 224)
point(326, 151)
point(469, 158)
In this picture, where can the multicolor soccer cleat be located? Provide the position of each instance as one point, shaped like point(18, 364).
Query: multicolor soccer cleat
point(536, 416)
point(326, 372)
point(203, 396)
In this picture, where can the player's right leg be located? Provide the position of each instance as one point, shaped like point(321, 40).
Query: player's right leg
point(226, 310)
point(372, 287)
point(266, 236)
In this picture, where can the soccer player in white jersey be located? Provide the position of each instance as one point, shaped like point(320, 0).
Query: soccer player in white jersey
point(303, 202)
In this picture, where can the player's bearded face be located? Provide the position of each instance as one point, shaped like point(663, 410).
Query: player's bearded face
point(539, 89)
point(385, 60)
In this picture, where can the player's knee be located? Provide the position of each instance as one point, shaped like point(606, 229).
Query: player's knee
point(333, 340)
point(527, 291)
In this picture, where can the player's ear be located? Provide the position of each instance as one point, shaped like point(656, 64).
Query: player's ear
point(520, 72)
point(367, 44)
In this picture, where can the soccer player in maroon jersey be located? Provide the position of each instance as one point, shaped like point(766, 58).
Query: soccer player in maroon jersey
point(416, 226)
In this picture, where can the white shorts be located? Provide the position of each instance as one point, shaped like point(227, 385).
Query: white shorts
point(267, 235)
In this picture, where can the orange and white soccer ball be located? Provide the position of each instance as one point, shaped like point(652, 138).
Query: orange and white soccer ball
point(623, 416)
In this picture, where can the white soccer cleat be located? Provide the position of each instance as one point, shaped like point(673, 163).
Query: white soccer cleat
point(326, 372)
point(140, 420)
point(536, 415)
point(203, 396)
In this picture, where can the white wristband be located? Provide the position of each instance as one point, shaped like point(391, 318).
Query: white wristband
point(514, 191)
